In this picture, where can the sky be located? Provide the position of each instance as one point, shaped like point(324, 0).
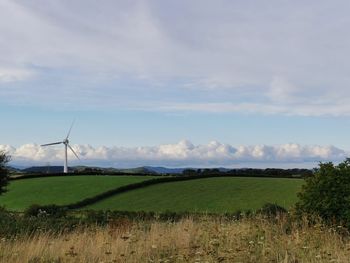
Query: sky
point(176, 83)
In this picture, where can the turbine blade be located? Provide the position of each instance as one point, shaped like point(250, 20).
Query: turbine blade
point(51, 143)
point(70, 129)
point(73, 152)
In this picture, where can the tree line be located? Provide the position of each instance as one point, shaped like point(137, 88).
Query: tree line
point(253, 172)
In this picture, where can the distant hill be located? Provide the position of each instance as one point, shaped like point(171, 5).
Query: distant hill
point(141, 170)
point(59, 169)
point(14, 170)
point(46, 169)
point(164, 170)
point(88, 169)
point(152, 170)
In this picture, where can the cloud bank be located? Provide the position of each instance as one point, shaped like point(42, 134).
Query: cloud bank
point(181, 154)
point(276, 57)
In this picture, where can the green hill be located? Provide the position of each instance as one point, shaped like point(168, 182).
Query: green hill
point(220, 194)
point(226, 194)
point(60, 190)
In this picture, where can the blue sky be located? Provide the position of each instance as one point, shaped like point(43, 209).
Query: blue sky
point(138, 128)
point(159, 81)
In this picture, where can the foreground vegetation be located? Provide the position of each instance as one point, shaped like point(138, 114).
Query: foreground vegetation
point(218, 195)
point(60, 190)
point(208, 239)
point(174, 227)
point(4, 173)
point(327, 193)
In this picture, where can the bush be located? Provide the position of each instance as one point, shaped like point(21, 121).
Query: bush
point(4, 175)
point(273, 210)
point(45, 211)
point(327, 193)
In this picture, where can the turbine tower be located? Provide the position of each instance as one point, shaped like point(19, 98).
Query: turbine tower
point(66, 146)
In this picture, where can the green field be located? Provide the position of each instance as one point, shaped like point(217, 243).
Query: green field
point(60, 190)
point(225, 194)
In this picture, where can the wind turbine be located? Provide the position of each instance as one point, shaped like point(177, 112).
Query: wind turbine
point(66, 146)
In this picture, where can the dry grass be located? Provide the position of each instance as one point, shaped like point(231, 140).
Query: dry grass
point(207, 240)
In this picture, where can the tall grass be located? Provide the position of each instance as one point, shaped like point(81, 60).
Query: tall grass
point(210, 239)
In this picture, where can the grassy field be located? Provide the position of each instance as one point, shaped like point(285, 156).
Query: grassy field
point(207, 240)
point(227, 194)
point(60, 190)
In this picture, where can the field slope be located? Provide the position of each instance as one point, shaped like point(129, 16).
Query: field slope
point(60, 190)
point(225, 194)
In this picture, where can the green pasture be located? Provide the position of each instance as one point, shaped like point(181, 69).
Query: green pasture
point(60, 190)
point(225, 194)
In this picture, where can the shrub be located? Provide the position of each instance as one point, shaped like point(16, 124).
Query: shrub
point(45, 211)
point(97, 217)
point(273, 210)
point(4, 174)
point(327, 193)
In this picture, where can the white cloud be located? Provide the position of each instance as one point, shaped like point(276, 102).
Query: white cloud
point(282, 91)
point(287, 58)
point(183, 153)
point(297, 109)
point(14, 74)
